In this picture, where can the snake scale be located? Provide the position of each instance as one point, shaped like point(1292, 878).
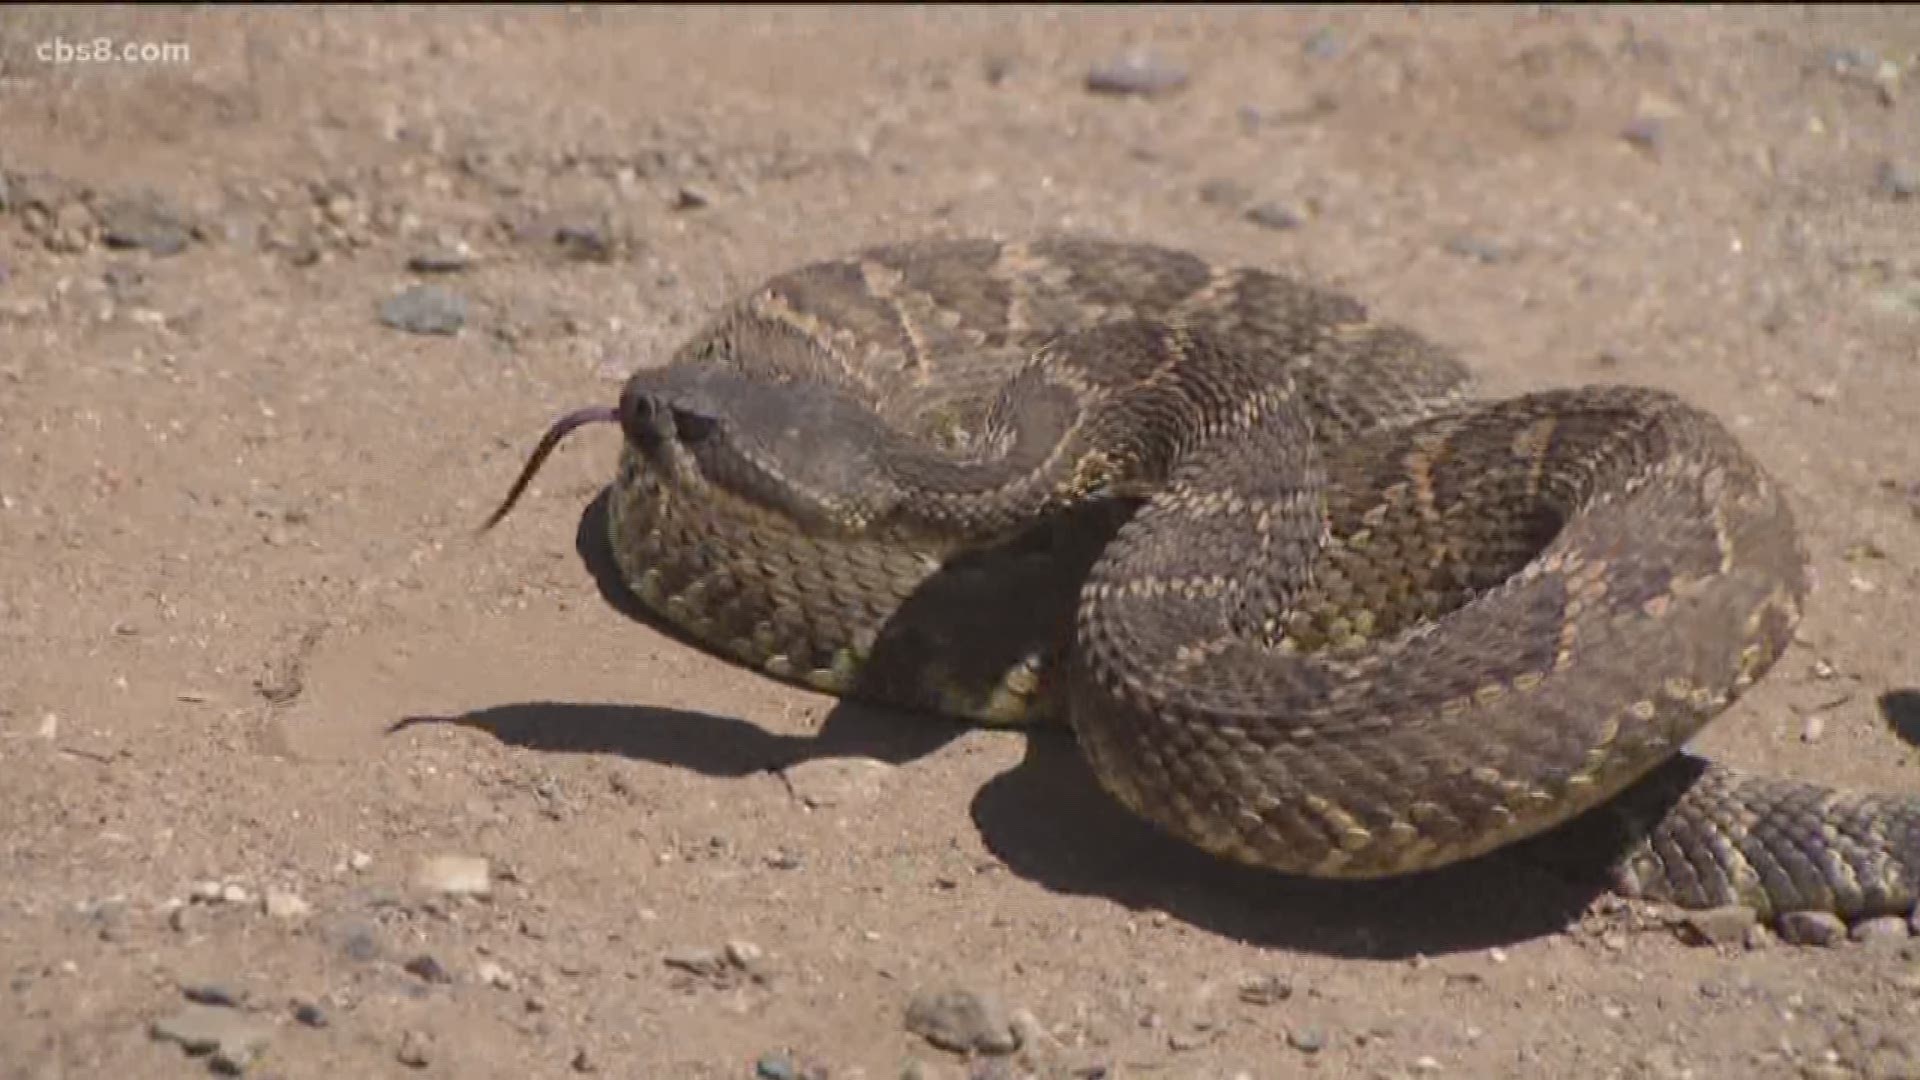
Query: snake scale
point(1305, 600)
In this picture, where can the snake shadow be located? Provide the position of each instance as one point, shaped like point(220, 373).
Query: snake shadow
point(1049, 821)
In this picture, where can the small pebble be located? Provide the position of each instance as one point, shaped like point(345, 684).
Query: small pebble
point(359, 861)
point(1725, 925)
point(1887, 930)
point(282, 904)
point(1812, 928)
point(425, 309)
point(492, 974)
point(963, 1021)
point(441, 260)
point(1426, 1064)
point(583, 1061)
point(233, 894)
point(1223, 192)
point(744, 954)
point(455, 875)
point(586, 242)
point(1307, 1040)
point(1899, 180)
point(1812, 728)
point(1265, 990)
point(830, 782)
point(1273, 215)
point(309, 1014)
point(775, 1067)
point(1646, 133)
point(1323, 44)
point(415, 1050)
point(1141, 73)
point(1477, 248)
point(698, 960)
point(233, 1038)
point(144, 222)
point(224, 997)
point(688, 198)
point(428, 969)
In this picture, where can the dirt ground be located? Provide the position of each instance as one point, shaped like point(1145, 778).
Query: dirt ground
point(240, 472)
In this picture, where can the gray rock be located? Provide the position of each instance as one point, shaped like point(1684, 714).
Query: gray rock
point(1140, 73)
point(689, 198)
point(963, 1021)
point(1812, 928)
point(145, 222)
point(233, 1038)
point(425, 309)
point(455, 875)
point(1899, 179)
point(309, 1014)
point(1273, 215)
point(1726, 925)
point(829, 782)
point(1884, 931)
point(775, 1067)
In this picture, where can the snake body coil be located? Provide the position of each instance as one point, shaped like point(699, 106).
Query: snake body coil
point(1305, 601)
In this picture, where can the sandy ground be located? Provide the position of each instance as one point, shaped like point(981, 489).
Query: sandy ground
point(236, 513)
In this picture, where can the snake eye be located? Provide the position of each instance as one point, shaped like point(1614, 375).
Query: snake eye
point(693, 427)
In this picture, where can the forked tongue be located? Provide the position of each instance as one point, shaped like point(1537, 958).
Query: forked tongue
point(561, 428)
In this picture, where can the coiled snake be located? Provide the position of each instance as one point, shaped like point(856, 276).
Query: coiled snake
point(1305, 601)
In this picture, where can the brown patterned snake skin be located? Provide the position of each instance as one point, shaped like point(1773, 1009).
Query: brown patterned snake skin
point(1305, 602)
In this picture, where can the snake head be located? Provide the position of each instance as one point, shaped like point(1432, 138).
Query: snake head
point(800, 450)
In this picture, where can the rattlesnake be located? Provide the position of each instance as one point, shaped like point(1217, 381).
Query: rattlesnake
point(1306, 601)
